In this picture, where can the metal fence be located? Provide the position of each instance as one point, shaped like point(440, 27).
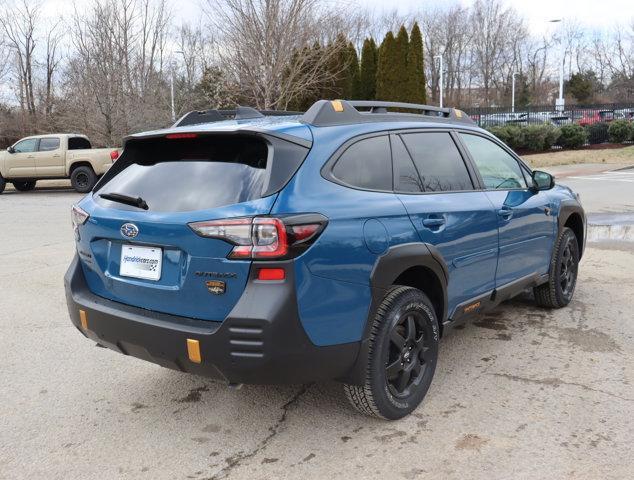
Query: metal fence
point(595, 118)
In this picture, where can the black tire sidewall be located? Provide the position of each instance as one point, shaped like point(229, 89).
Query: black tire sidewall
point(25, 186)
point(3, 183)
point(567, 235)
point(92, 179)
point(389, 406)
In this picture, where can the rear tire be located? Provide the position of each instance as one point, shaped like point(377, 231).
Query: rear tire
point(25, 186)
point(83, 179)
point(562, 278)
point(3, 183)
point(403, 351)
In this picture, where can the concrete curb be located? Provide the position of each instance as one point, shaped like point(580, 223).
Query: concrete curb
point(610, 227)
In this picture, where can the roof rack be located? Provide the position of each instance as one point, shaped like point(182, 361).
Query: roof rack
point(343, 112)
point(240, 113)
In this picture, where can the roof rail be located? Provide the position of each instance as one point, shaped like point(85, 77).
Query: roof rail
point(239, 113)
point(343, 112)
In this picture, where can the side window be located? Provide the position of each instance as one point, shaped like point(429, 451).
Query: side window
point(499, 170)
point(26, 146)
point(438, 161)
point(406, 177)
point(78, 143)
point(48, 144)
point(366, 164)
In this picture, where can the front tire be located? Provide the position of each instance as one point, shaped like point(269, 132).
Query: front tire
point(3, 183)
point(25, 186)
point(403, 351)
point(562, 278)
point(83, 179)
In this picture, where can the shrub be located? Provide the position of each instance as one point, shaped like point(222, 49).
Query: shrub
point(512, 135)
point(572, 136)
point(620, 131)
point(597, 133)
point(540, 137)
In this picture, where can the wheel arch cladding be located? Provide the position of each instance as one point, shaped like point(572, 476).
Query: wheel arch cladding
point(417, 265)
point(81, 163)
point(571, 215)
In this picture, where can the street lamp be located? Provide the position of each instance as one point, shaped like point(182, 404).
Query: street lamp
point(439, 57)
point(513, 92)
point(559, 104)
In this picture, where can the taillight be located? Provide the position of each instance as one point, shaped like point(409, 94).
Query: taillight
point(78, 216)
point(114, 155)
point(264, 238)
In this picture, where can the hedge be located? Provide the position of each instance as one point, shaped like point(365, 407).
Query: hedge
point(536, 138)
point(621, 131)
point(572, 136)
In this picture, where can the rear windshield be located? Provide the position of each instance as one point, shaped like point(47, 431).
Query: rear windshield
point(196, 174)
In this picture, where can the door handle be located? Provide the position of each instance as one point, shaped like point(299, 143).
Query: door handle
point(505, 212)
point(433, 222)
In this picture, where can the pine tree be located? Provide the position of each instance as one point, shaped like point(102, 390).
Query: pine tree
point(385, 72)
point(402, 49)
point(367, 75)
point(415, 91)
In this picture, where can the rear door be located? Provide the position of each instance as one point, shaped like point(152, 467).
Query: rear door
point(437, 189)
point(49, 159)
point(21, 163)
point(151, 258)
point(525, 224)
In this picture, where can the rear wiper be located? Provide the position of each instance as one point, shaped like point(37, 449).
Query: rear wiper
point(125, 199)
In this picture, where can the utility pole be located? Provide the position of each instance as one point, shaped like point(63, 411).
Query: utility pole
point(560, 103)
point(439, 57)
point(513, 92)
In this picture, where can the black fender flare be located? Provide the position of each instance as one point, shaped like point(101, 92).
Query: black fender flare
point(566, 209)
point(386, 270)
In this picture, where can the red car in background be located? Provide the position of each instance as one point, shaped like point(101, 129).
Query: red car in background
point(596, 116)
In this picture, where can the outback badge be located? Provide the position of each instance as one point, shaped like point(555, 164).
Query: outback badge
point(216, 287)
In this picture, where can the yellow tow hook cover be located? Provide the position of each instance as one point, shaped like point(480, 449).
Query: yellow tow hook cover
point(193, 350)
point(83, 319)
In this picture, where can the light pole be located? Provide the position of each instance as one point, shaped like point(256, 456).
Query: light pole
point(513, 92)
point(172, 88)
point(439, 57)
point(559, 104)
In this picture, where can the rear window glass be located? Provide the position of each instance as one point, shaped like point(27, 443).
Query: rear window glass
point(192, 174)
point(366, 164)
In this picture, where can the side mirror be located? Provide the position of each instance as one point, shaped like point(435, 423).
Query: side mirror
point(11, 149)
point(542, 180)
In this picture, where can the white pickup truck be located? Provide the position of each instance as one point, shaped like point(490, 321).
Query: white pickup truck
point(54, 156)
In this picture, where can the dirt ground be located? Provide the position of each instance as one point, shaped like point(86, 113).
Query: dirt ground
point(618, 156)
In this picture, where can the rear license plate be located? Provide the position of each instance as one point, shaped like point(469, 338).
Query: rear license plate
point(141, 262)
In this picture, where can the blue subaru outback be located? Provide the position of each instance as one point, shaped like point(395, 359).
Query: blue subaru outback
point(262, 247)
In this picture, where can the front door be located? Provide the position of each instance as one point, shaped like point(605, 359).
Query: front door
point(21, 163)
point(526, 226)
point(438, 193)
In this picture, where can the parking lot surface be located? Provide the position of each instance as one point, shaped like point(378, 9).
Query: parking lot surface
point(519, 393)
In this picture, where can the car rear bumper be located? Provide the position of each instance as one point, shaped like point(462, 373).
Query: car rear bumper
point(260, 342)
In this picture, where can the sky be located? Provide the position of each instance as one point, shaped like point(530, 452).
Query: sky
point(593, 14)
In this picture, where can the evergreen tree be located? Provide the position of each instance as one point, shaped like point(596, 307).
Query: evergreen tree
point(351, 73)
point(402, 53)
point(415, 91)
point(368, 73)
point(385, 72)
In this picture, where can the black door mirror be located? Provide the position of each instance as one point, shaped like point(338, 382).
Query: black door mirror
point(543, 180)
point(11, 149)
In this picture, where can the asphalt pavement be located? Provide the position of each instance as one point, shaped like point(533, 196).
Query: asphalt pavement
point(522, 393)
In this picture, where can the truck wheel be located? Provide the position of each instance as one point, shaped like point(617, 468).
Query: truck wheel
point(562, 279)
point(403, 350)
point(3, 183)
point(83, 179)
point(25, 186)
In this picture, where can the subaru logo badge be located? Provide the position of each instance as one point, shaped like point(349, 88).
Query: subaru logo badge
point(129, 230)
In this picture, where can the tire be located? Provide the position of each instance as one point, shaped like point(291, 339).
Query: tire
point(404, 338)
point(83, 179)
point(562, 278)
point(25, 186)
point(3, 183)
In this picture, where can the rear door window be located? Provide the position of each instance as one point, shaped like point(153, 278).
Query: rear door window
point(406, 178)
point(48, 144)
point(366, 164)
point(438, 162)
point(198, 174)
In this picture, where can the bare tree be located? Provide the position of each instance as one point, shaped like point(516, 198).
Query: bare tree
point(264, 45)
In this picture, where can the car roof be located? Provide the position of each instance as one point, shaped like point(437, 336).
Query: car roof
point(349, 117)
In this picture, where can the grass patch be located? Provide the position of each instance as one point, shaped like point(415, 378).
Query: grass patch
point(621, 156)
